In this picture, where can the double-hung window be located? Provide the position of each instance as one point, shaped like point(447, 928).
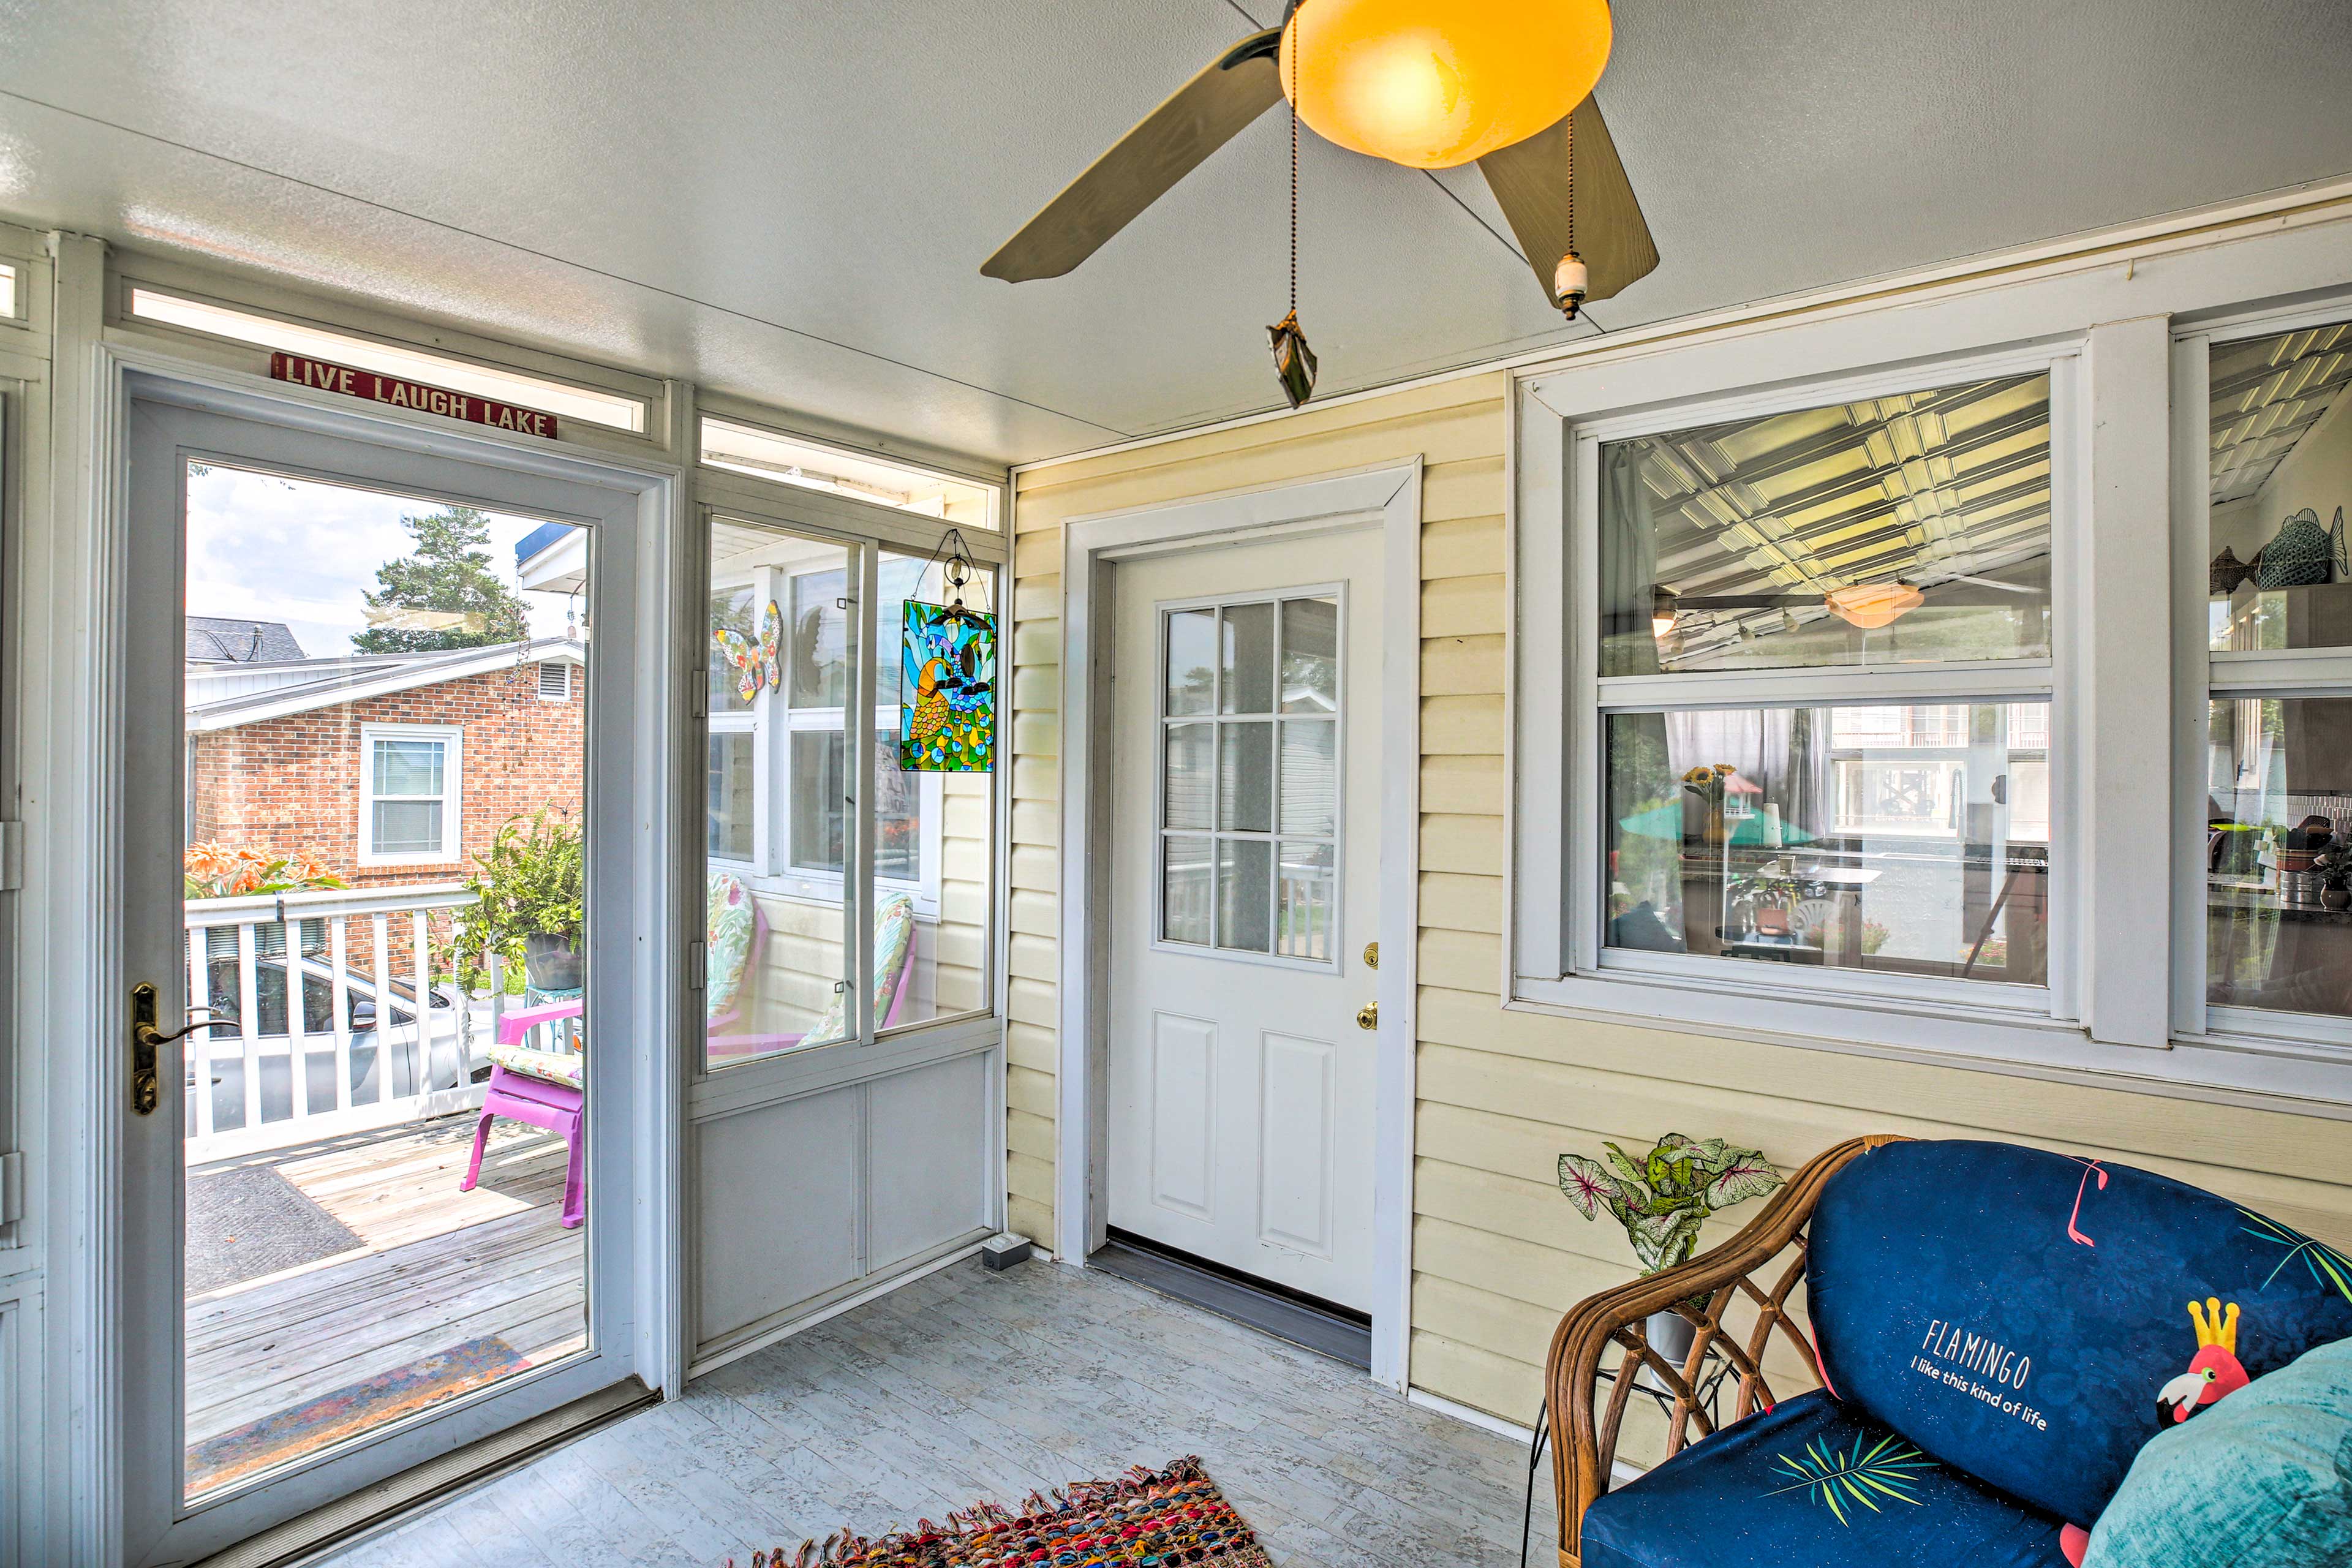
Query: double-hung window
point(409, 794)
point(1815, 650)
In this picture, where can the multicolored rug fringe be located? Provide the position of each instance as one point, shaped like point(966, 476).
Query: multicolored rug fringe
point(1146, 1519)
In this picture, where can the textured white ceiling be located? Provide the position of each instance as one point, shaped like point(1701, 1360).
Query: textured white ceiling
point(791, 202)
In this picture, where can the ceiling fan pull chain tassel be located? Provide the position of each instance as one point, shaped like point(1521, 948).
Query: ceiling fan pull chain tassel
point(1294, 362)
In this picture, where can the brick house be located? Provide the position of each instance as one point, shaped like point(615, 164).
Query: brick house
point(391, 769)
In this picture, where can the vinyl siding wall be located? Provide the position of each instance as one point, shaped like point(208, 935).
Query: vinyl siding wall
point(1499, 1255)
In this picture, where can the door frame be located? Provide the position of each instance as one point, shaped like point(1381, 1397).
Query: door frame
point(1092, 547)
point(76, 712)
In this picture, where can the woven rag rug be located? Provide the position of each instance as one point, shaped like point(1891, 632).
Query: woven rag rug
point(1147, 1519)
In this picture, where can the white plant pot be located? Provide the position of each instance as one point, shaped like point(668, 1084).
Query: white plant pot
point(1670, 1335)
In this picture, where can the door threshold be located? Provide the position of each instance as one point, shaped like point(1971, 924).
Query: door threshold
point(1300, 1319)
point(396, 1500)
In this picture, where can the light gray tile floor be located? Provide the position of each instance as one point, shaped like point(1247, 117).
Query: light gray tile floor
point(967, 1386)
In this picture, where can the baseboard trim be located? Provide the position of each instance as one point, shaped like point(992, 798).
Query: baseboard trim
point(395, 1500)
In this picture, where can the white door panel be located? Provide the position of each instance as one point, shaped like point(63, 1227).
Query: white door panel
point(1245, 698)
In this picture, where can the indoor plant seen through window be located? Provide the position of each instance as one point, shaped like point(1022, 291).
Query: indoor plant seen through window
point(527, 905)
point(1662, 1201)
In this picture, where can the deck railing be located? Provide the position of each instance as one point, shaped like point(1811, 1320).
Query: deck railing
point(331, 1021)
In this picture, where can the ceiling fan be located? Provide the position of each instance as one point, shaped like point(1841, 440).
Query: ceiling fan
point(1868, 606)
point(1419, 82)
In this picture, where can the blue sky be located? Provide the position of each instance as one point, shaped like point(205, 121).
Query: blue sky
point(265, 548)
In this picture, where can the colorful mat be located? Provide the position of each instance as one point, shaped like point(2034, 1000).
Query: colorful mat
point(1145, 1520)
point(354, 1408)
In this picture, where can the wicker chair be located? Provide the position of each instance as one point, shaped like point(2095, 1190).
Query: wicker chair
point(1762, 1267)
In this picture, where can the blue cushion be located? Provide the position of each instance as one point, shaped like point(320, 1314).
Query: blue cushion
point(2017, 1313)
point(1749, 1496)
point(2264, 1481)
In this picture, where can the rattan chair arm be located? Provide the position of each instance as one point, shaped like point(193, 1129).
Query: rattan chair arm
point(1581, 1462)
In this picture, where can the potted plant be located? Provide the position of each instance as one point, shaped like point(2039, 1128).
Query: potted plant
point(1662, 1201)
point(2333, 866)
point(528, 904)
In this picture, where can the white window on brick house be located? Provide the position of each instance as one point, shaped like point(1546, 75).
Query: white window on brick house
point(409, 794)
point(554, 680)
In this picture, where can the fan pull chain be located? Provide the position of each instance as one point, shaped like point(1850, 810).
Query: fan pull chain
point(1294, 186)
point(1294, 362)
point(1569, 279)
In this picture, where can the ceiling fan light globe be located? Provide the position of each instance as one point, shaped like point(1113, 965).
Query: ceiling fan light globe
point(1870, 605)
point(1431, 85)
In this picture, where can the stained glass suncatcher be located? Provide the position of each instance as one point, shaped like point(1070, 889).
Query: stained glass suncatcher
point(947, 721)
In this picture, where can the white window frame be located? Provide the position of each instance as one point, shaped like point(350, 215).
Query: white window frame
point(452, 797)
point(1273, 837)
point(1592, 696)
point(771, 722)
point(2202, 674)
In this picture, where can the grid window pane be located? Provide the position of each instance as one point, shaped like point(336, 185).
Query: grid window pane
point(408, 827)
point(1914, 839)
point(1245, 778)
point(731, 786)
point(1191, 783)
point(1187, 883)
point(1245, 658)
point(1310, 656)
point(409, 767)
point(1304, 894)
point(1908, 528)
point(1310, 777)
point(1244, 871)
point(1191, 654)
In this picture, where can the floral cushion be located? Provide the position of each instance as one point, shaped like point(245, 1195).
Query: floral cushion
point(894, 939)
point(733, 919)
point(555, 1067)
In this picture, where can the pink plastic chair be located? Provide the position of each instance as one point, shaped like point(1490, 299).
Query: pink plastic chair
point(539, 1102)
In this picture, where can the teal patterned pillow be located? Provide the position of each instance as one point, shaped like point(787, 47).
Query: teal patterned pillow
point(2260, 1479)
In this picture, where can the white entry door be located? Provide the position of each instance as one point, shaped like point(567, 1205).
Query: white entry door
point(1246, 827)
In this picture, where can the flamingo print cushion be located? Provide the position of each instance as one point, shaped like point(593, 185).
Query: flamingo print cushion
point(2033, 1319)
point(2266, 1481)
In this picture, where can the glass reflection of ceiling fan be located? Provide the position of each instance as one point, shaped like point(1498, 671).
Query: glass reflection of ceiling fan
point(1868, 606)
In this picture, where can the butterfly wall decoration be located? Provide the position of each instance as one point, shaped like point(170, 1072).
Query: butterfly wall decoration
point(758, 663)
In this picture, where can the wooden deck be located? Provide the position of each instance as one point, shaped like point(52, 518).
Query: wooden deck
point(437, 1267)
point(968, 1384)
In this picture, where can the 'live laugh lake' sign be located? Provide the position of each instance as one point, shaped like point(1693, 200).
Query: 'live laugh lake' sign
point(303, 371)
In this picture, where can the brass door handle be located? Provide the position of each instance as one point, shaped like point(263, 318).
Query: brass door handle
point(1367, 1016)
point(146, 1087)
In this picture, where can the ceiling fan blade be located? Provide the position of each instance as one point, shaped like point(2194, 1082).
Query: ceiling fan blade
point(1172, 142)
point(1530, 182)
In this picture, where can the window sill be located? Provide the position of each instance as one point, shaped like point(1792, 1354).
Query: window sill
point(820, 892)
point(2245, 1069)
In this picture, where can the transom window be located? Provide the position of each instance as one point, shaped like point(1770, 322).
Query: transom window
point(1249, 766)
point(409, 794)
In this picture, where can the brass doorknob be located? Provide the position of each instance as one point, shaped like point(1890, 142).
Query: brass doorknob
point(1367, 1016)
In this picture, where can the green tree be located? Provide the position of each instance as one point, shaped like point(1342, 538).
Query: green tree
point(443, 593)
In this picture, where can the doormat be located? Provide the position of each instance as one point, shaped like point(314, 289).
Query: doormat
point(290, 1434)
point(1171, 1516)
point(243, 1223)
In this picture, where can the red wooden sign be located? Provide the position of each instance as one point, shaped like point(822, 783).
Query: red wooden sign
point(305, 372)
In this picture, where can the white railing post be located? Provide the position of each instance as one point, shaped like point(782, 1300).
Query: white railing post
point(199, 1046)
point(338, 933)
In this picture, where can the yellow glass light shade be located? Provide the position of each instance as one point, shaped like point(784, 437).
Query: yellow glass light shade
point(1870, 605)
point(1432, 84)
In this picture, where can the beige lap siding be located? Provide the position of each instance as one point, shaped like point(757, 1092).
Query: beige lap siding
point(1497, 1253)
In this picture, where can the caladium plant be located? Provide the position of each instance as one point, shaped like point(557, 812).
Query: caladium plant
point(1663, 1199)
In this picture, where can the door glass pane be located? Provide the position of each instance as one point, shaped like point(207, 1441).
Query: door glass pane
point(1245, 778)
point(2278, 853)
point(1912, 529)
point(1305, 902)
point(1310, 656)
point(1192, 656)
point(1246, 659)
point(1243, 868)
point(778, 959)
point(1186, 878)
point(1311, 776)
point(1190, 782)
point(338, 1242)
point(2282, 477)
point(1911, 838)
point(935, 856)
